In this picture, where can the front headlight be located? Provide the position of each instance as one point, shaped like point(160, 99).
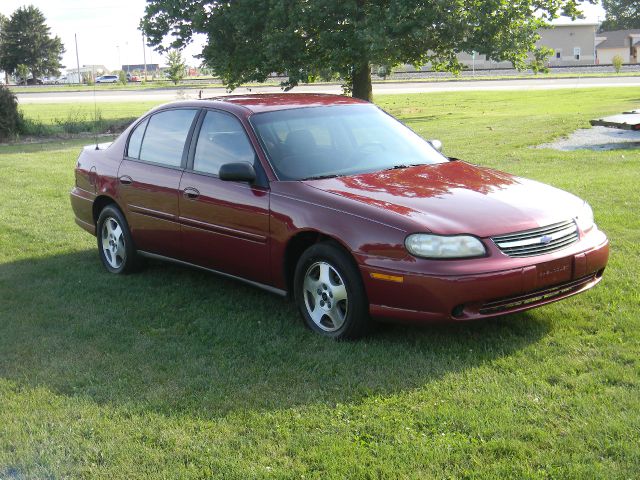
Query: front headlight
point(585, 218)
point(436, 246)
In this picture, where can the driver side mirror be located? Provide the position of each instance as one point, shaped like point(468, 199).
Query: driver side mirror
point(239, 172)
point(437, 144)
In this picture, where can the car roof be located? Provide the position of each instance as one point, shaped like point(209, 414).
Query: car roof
point(246, 105)
point(266, 102)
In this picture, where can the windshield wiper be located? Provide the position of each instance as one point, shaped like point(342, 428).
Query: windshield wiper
point(321, 177)
point(398, 167)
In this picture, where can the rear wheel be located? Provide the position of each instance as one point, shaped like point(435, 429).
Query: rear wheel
point(115, 245)
point(329, 292)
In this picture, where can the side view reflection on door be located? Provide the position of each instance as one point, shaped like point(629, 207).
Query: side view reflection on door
point(225, 224)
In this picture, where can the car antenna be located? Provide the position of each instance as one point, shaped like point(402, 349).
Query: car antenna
point(95, 107)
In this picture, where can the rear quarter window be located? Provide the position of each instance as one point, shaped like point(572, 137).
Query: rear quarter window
point(135, 140)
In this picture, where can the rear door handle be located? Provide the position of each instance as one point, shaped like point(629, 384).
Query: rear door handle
point(126, 180)
point(191, 193)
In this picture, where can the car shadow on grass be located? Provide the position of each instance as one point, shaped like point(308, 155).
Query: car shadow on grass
point(179, 341)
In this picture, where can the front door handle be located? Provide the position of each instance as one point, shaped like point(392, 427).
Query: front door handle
point(126, 180)
point(191, 193)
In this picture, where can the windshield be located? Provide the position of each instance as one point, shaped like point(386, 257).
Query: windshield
point(306, 143)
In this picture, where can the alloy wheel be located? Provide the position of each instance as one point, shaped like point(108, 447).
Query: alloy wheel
point(325, 296)
point(113, 246)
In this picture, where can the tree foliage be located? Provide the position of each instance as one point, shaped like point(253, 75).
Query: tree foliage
point(621, 14)
point(22, 72)
point(10, 117)
point(25, 39)
point(306, 40)
point(176, 66)
point(540, 61)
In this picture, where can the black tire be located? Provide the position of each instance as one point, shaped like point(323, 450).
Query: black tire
point(320, 299)
point(115, 247)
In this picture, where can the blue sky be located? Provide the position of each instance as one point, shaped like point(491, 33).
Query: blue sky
point(107, 30)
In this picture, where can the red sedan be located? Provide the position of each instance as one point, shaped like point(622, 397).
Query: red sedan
point(331, 200)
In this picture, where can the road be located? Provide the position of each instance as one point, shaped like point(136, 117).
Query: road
point(165, 95)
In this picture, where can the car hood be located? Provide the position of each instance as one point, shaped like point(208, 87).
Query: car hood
point(457, 197)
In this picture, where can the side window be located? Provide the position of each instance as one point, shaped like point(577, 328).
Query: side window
point(135, 140)
point(221, 140)
point(165, 137)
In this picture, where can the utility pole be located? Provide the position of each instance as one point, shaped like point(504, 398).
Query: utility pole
point(75, 35)
point(144, 57)
point(473, 60)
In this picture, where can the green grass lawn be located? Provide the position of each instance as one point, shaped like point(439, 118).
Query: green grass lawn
point(175, 373)
point(51, 119)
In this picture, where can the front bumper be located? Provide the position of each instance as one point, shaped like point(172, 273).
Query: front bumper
point(424, 297)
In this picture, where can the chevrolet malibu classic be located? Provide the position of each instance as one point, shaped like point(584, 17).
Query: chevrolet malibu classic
point(334, 202)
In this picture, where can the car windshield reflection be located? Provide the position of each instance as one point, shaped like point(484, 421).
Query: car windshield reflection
point(322, 142)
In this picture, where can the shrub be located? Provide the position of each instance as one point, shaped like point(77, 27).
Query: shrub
point(540, 61)
point(88, 79)
point(617, 62)
point(10, 116)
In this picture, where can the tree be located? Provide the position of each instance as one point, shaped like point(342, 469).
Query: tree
point(306, 40)
point(176, 66)
point(621, 14)
point(25, 39)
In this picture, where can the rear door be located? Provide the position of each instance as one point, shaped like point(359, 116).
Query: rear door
point(225, 224)
point(149, 179)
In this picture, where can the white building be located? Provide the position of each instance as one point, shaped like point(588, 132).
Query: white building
point(625, 43)
point(572, 42)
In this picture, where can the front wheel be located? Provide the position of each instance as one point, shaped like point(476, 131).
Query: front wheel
point(115, 244)
point(329, 293)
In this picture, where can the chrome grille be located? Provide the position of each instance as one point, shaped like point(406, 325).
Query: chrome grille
point(539, 240)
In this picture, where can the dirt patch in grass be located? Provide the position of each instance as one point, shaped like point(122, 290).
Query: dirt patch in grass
point(596, 138)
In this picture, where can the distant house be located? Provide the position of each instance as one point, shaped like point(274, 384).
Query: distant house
point(572, 42)
point(625, 43)
point(86, 71)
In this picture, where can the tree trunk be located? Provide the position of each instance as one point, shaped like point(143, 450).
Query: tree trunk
point(361, 87)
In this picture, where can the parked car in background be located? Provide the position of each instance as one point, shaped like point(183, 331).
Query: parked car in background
point(107, 79)
point(132, 77)
point(34, 81)
point(334, 202)
point(55, 80)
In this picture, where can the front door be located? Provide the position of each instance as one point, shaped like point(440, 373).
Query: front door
point(225, 225)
